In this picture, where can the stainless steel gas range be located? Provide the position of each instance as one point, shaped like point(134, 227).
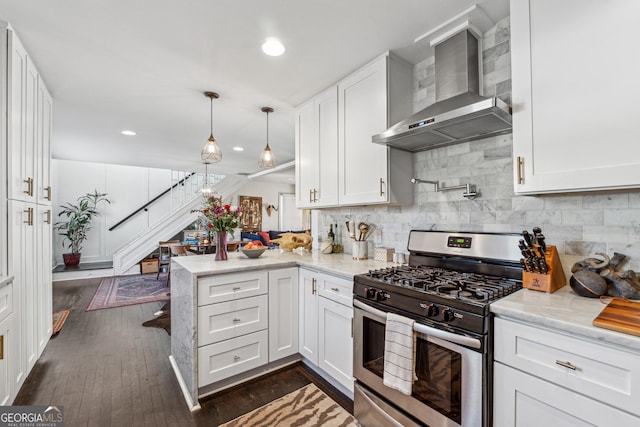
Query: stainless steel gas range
point(451, 279)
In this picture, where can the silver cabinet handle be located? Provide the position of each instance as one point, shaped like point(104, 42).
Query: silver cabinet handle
point(235, 320)
point(236, 288)
point(313, 286)
point(519, 166)
point(310, 195)
point(335, 289)
point(566, 365)
point(236, 358)
point(48, 190)
point(381, 184)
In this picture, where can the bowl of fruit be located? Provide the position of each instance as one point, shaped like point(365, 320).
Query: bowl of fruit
point(253, 249)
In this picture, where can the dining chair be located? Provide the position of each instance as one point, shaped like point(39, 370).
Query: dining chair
point(165, 256)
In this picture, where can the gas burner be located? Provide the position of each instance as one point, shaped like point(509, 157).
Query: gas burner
point(474, 287)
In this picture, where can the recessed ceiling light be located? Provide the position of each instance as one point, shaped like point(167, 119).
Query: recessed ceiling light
point(273, 47)
point(128, 132)
point(238, 149)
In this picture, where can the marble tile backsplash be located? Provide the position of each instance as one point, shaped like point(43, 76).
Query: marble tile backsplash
point(580, 224)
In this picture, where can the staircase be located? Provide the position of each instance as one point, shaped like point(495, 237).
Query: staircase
point(184, 199)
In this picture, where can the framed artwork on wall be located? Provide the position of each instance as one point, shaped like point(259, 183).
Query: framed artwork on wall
point(251, 215)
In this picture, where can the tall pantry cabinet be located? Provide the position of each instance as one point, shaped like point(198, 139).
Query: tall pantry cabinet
point(25, 276)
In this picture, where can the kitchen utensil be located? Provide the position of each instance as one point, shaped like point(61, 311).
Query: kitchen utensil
point(620, 315)
point(352, 229)
point(364, 229)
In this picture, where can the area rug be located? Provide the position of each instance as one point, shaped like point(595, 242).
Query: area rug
point(59, 318)
point(305, 407)
point(163, 321)
point(120, 291)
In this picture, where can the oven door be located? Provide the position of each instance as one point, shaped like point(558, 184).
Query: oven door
point(449, 390)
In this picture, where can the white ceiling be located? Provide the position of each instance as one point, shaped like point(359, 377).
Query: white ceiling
point(144, 65)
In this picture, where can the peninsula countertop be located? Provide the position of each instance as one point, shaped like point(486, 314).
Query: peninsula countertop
point(563, 311)
point(337, 264)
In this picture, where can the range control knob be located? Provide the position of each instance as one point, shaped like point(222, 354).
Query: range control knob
point(448, 315)
point(433, 310)
point(380, 296)
point(370, 293)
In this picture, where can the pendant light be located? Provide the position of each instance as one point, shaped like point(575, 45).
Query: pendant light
point(211, 152)
point(267, 159)
point(207, 188)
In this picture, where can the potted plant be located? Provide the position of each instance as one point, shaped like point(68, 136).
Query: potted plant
point(78, 223)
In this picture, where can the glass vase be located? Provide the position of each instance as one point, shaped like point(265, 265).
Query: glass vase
point(221, 246)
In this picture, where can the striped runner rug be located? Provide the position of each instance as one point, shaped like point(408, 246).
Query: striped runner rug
point(305, 407)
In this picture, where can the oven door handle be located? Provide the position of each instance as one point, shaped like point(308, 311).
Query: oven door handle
point(379, 410)
point(424, 329)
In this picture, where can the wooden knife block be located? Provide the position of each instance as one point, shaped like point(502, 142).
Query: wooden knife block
point(550, 282)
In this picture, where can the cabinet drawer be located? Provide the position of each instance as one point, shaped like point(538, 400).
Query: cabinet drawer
point(231, 357)
point(227, 287)
point(336, 289)
point(522, 400)
point(218, 322)
point(604, 373)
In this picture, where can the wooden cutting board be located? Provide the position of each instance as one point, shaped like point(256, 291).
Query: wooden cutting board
point(620, 315)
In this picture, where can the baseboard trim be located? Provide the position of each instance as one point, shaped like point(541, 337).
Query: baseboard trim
point(183, 386)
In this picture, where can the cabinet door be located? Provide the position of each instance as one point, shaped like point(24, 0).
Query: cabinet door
point(522, 400)
point(308, 315)
point(43, 282)
point(20, 242)
point(17, 123)
point(362, 107)
point(336, 341)
point(307, 151)
point(43, 145)
point(283, 313)
point(326, 115)
point(8, 358)
point(574, 115)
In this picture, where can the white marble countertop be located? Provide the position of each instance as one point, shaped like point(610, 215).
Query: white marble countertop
point(337, 264)
point(563, 310)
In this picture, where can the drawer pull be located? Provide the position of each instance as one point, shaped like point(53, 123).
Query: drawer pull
point(236, 358)
point(335, 289)
point(235, 320)
point(313, 286)
point(566, 365)
point(48, 190)
point(236, 288)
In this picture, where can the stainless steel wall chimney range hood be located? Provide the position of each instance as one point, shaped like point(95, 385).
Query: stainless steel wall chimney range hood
point(460, 113)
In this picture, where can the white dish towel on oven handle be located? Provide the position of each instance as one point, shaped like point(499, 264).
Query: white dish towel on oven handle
point(399, 353)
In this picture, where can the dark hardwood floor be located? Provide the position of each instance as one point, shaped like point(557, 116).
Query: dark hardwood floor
point(106, 369)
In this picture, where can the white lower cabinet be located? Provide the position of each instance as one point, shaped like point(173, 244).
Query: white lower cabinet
point(545, 377)
point(231, 357)
point(335, 344)
point(522, 400)
point(308, 315)
point(326, 330)
point(283, 313)
point(245, 320)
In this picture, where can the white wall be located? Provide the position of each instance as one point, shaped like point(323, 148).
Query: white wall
point(127, 187)
point(269, 192)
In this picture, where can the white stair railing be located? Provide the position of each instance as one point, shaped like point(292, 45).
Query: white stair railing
point(184, 198)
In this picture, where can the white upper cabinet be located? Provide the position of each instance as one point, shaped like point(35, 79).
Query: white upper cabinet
point(336, 162)
point(43, 145)
point(575, 92)
point(30, 120)
point(369, 101)
point(316, 129)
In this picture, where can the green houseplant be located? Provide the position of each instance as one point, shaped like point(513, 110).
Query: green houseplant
point(77, 223)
